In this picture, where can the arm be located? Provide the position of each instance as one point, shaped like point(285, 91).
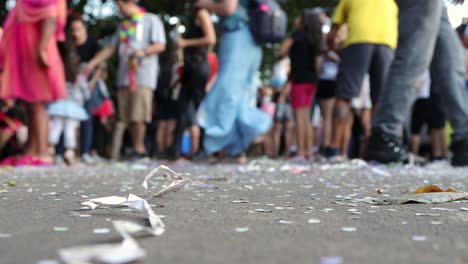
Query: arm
point(48, 30)
point(96, 76)
point(157, 38)
point(105, 54)
point(209, 35)
point(332, 36)
point(285, 47)
point(156, 48)
point(224, 8)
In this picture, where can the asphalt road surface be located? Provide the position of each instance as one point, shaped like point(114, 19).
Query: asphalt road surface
point(288, 214)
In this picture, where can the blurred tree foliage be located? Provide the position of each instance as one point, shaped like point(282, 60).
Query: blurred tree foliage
point(103, 28)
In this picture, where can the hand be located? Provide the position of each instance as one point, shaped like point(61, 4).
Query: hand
point(281, 99)
point(86, 71)
point(139, 54)
point(42, 55)
point(181, 43)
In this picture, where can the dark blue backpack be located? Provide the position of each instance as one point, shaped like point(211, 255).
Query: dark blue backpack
point(268, 22)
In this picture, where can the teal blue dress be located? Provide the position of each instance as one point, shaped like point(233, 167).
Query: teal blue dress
point(230, 123)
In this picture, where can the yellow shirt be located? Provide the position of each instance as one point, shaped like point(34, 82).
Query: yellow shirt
point(369, 21)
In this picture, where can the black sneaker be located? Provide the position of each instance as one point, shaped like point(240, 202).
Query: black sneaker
point(460, 153)
point(136, 156)
point(386, 148)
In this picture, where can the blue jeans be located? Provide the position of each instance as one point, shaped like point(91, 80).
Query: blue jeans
point(86, 132)
point(229, 122)
point(426, 39)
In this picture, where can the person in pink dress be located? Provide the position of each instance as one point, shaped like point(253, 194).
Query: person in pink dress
point(32, 69)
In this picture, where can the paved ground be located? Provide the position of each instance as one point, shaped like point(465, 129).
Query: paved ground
point(201, 218)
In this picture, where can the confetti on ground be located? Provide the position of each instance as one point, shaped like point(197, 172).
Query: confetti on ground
point(60, 229)
point(5, 235)
point(101, 231)
point(419, 238)
point(242, 229)
point(348, 229)
point(331, 260)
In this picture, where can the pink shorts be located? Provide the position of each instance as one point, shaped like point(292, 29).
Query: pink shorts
point(302, 94)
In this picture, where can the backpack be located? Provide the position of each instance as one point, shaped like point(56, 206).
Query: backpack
point(267, 21)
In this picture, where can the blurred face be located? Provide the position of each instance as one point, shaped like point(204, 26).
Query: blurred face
point(297, 23)
point(78, 32)
point(125, 7)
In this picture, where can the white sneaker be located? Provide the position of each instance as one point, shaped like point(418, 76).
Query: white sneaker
point(88, 159)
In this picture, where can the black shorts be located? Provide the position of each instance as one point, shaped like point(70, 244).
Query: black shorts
point(427, 111)
point(166, 108)
point(326, 89)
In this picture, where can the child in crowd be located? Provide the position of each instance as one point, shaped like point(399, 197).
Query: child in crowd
point(66, 114)
point(284, 120)
point(268, 106)
point(304, 47)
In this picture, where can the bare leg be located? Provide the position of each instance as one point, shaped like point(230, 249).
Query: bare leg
point(326, 106)
point(347, 135)
point(40, 120)
point(117, 140)
point(31, 146)
point(438, 143)
point(341, 114)
point(288, 138)
point(310, 136)
point(161, 136)
point(415, 144)
point(138, 136)
point(366, 122)
point(171, 126)
point(195, 134)
point(277, 138)
point(301, 131)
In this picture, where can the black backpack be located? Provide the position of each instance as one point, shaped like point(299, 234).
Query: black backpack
point(267, 21)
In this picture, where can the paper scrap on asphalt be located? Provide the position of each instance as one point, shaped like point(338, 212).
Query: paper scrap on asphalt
point(178, 180)
point(125, 252)
point(166, 171)
point(136, 203)
point(424, 198)
point(171, 187)
point(109, 200)
point(90, 204)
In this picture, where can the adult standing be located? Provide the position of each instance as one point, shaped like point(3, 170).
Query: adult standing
point(32, 68)
point(427, 39)
point(229, 123)
point(369, 48)
point(138, 40)
point(199, 36)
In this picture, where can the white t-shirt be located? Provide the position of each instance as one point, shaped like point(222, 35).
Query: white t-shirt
point(280, 69)
point(423, 91)
point(329, 70)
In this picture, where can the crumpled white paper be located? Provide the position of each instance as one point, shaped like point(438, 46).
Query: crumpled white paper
point(127, 251)
point(178, 182)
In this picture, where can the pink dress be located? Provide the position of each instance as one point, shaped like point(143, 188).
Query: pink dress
point(22, 75)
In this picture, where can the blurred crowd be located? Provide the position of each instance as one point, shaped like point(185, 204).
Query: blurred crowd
point(380, 80)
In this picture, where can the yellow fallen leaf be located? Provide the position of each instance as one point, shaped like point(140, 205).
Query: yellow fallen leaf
point(432, 189)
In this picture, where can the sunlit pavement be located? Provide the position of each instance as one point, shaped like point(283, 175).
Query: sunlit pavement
point(264, 212)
